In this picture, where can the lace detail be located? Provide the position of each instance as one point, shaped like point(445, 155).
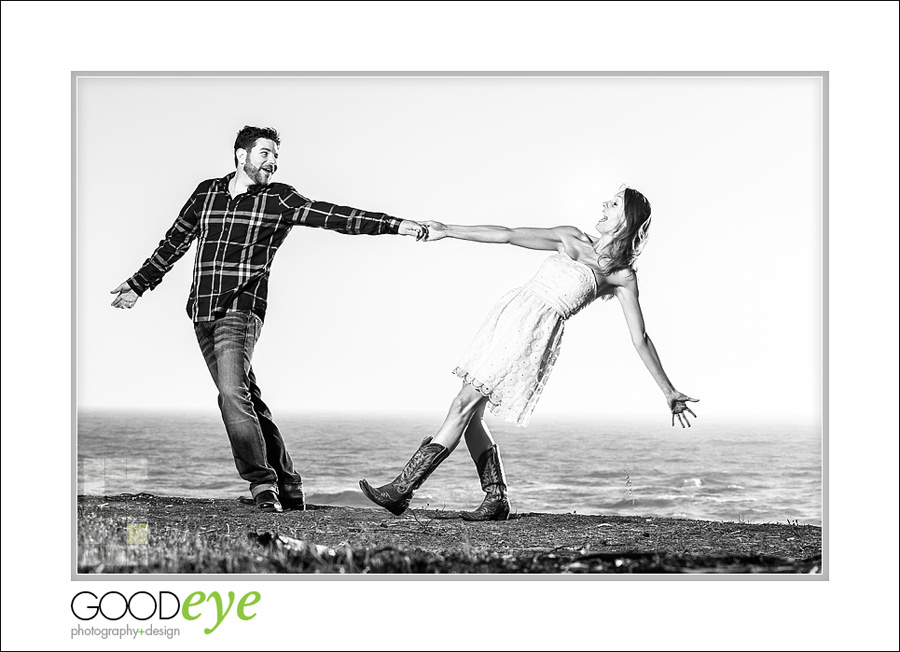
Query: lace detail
point(513, 353)
point(494, 397)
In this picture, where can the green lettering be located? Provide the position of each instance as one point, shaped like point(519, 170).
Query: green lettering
point(190, 602)
point(220, 616)
point(245, 603)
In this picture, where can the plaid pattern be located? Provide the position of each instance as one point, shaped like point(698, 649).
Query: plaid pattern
point(237, 240)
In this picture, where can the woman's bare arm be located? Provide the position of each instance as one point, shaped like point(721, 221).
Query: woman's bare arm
point(628, 296)
point(548, 239)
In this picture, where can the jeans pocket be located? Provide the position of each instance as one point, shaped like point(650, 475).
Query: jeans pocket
point(258, 322)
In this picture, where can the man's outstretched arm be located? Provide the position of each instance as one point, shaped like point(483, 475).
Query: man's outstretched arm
point(172, 247)
point(344, 219)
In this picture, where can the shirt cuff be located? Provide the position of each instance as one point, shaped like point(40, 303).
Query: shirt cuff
point(393, 223)
point(134, 286)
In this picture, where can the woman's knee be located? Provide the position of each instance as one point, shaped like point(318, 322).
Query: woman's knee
point(467, 402)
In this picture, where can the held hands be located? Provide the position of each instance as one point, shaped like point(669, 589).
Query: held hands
point(126, 296)
point(408, 227)
point(425, 231)
point(678, 404)
point(434, 231)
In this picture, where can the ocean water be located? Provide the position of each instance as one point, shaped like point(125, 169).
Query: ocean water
point(756, 473)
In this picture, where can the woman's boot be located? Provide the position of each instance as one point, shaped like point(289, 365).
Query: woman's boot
point(495, 506)
point(395, 496)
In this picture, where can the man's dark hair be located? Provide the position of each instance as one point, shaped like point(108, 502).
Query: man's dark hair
point(248, 136)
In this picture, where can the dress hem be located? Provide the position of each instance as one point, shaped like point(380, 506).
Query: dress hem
point(494, 400)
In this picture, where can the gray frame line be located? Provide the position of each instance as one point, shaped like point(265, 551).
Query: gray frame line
point(76, 75)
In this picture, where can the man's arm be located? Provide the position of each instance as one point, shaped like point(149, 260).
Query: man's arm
point(172, 247)
point(343, 219)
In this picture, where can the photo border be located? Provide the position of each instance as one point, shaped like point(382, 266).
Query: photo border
point(76, 576)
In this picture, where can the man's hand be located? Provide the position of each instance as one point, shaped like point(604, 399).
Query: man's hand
point(435, 231)
point(678, 404)
point(408, 227)
point(126, 296)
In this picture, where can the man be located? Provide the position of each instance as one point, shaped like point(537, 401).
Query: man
point(239, 222)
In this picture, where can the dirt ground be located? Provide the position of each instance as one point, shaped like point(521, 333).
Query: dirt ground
point(217, 532)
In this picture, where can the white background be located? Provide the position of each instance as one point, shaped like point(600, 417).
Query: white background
point(730, 280)
point(857, 43)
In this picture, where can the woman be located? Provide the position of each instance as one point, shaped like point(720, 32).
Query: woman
point(511, 357)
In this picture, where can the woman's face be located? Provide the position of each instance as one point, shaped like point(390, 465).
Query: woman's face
point(613, 214)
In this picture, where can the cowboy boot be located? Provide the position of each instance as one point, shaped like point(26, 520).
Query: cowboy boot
point(395, 496)
point(495, 506)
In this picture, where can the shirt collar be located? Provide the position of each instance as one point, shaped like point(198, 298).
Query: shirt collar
point(251, 190)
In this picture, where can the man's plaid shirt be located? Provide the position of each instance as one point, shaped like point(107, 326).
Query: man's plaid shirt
point(237, 240)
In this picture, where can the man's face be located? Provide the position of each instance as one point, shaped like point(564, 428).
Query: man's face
point(261, 162)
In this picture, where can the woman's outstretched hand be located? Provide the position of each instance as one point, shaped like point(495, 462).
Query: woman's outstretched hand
point(678, 404)
point(434, 231)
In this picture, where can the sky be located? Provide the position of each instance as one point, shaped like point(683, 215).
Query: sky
point(731, 277)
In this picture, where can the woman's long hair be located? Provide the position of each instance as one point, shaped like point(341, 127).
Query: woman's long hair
point(629, 240)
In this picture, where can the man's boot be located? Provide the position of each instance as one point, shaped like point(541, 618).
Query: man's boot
point(291, 495)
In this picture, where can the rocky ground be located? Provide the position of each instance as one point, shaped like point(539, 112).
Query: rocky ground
point(155, 534)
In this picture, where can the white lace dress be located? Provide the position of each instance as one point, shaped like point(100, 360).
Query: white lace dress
point(513, 353)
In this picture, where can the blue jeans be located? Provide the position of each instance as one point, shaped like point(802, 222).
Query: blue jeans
point(260, 454)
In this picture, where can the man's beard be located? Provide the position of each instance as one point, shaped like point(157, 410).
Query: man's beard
point(255, 173)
